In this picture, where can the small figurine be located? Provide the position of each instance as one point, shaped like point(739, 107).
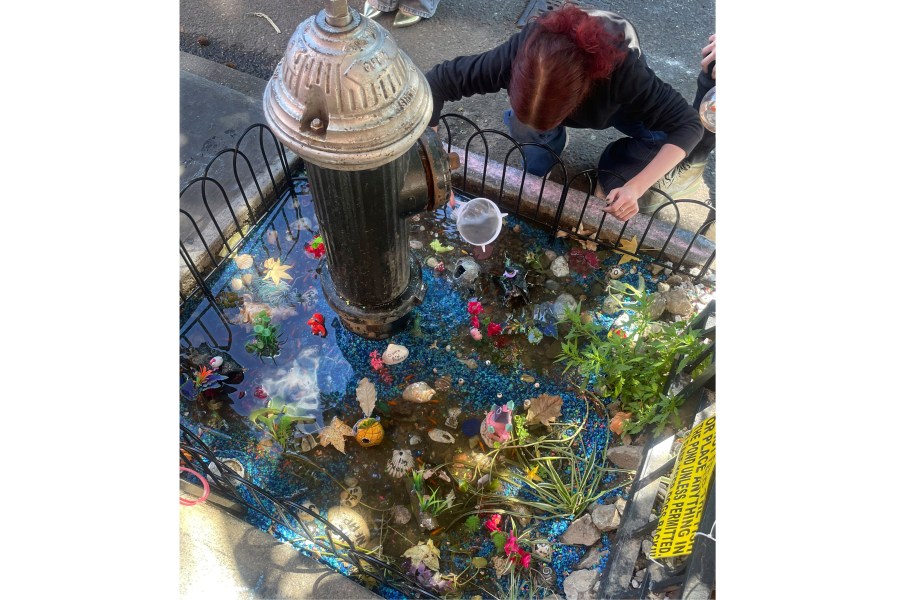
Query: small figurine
point(368, 432)
point(513, 282)
point(497, 424)
point(317, 323)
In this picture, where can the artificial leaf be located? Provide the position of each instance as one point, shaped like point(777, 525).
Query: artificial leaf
point(426, 554)
point(545, 408)
point(479, 562)
point(630, 246)
point(366, 395)
point(439, 248)
point(276, 271)
point(334, 434)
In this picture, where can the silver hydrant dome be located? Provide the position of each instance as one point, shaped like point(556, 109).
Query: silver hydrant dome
point(344, 96)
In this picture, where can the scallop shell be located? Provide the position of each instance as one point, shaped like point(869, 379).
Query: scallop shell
point(236, 284)
point(247, 278)
point(243, 261)
point(351, 523)
point(418, 392)
point(400, 463)
point(443, 383)
point(441, 436)
point(394, 354)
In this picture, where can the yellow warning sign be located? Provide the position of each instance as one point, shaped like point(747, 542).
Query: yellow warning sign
point(683, 509)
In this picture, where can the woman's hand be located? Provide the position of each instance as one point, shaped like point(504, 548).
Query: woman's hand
point(622, 202)
point(709, 55)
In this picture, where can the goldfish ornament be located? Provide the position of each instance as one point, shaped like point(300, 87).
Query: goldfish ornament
point(317, 324)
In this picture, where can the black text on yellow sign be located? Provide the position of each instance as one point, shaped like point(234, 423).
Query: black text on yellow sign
point(683, 509)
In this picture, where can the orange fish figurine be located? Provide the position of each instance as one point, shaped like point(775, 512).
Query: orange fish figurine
point(317, 323)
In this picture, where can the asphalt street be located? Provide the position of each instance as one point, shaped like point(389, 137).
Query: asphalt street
point(672, 32)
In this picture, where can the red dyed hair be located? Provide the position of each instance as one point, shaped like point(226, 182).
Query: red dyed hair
point(554, 70)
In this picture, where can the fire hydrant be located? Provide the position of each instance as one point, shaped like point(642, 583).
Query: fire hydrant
point(355, 108)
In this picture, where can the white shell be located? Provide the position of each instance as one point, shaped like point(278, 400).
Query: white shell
point(400, 463)
point(394, 354)
point(441, 436)
point(215, 362)
point(236, 284)
point(418, 392)
point(243, 261)
point(351, 523)
point(247, 278)
point(351, 496)
point(312, 507)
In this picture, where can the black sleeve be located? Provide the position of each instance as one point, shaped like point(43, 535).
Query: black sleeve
point(647, 98)
point(466, 76)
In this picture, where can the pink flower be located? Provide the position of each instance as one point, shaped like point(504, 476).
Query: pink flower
point(476, 334)
point(475, 308)
point(475, 322)
point(493, 523)
point(511, 546)
point(494, 329)
point(526, 558)
point(375, 360)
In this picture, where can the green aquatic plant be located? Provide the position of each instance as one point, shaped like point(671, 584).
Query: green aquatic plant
point(632, 365)
point(430, 503)
point(266, 342)
point(277, 424)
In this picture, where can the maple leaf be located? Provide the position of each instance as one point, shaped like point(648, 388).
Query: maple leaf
point(439, 248)
point(424, 553)
point(277, 271)
point(630, 246)
point(334, 434)
point(545, 408)
point(584, 232)
point(366, 395)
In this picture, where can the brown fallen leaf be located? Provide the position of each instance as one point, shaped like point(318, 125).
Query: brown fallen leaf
point(334, 434)
point(545, 408)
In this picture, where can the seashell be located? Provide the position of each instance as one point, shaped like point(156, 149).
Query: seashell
point(415, 439)
point(243, 261)
point(271, 237)
point(443, 383)
point(351, 481)
point(441, 436)
point(615, 272)
point(232, 464)
point(307, 443)
point(247, 278)
point(400, 463)
point(351, 496)
point(215, 362)
point(394, 354)
point(350, 523)
point(418, 392)
point(236, 284)
point(400, 514)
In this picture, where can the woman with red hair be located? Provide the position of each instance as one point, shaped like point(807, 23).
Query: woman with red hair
point(585, 69)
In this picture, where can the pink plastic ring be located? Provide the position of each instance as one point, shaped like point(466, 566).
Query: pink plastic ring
point(205, 483)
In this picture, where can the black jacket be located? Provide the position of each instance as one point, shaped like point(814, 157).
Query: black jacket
point(633, 93)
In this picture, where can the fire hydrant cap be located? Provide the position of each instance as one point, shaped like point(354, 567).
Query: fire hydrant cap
point(345, 97)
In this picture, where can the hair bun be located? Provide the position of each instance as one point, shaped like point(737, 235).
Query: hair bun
point(603, 51)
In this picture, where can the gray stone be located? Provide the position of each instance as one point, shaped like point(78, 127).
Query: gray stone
point(560, 266)
point(550, 254)
point(655, 269)
point(552, 285)
point(415, 244)
point(581, 531)
point(581, 585)
point(657, 305)
point(563, 302)
point(647, 547)
point(605, 517)
point(591, 558)
point(620, 505)
point(675, 280)
point(678, 302)
point(626, 457)
point(610, 306)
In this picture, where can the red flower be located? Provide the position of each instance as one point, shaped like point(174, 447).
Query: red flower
point(315, 247)
point(493, 523)
point(494, 329)
point(619, 333)
point(475, 308)
point(526, 558)
point(375, 360)
point(511, 547)
point(475, 322)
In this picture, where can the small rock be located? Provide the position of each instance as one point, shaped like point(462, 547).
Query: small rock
point(657, 305)
point(203, 40)
point(562, 302)
point(517, 228)
point(550, 254)
point(610, 306)
point(591, 558)
point(559, 267)
point(394, 354)
point(605, 517)
point(580, 585)
point(432, 262)
point(620, 505)
point(415, 244)
point(401, 514)
point(581, 531)
point(678, 302)
point(675, 280)
point(647, 547)
point(655, 269)
point(552, 285)
point(663, 287)
point(626, 457)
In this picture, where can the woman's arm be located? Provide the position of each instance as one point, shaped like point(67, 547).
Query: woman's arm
point(623, 201)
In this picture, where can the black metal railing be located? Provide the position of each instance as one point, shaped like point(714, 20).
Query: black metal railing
point(665, 222)
point(322, 538)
